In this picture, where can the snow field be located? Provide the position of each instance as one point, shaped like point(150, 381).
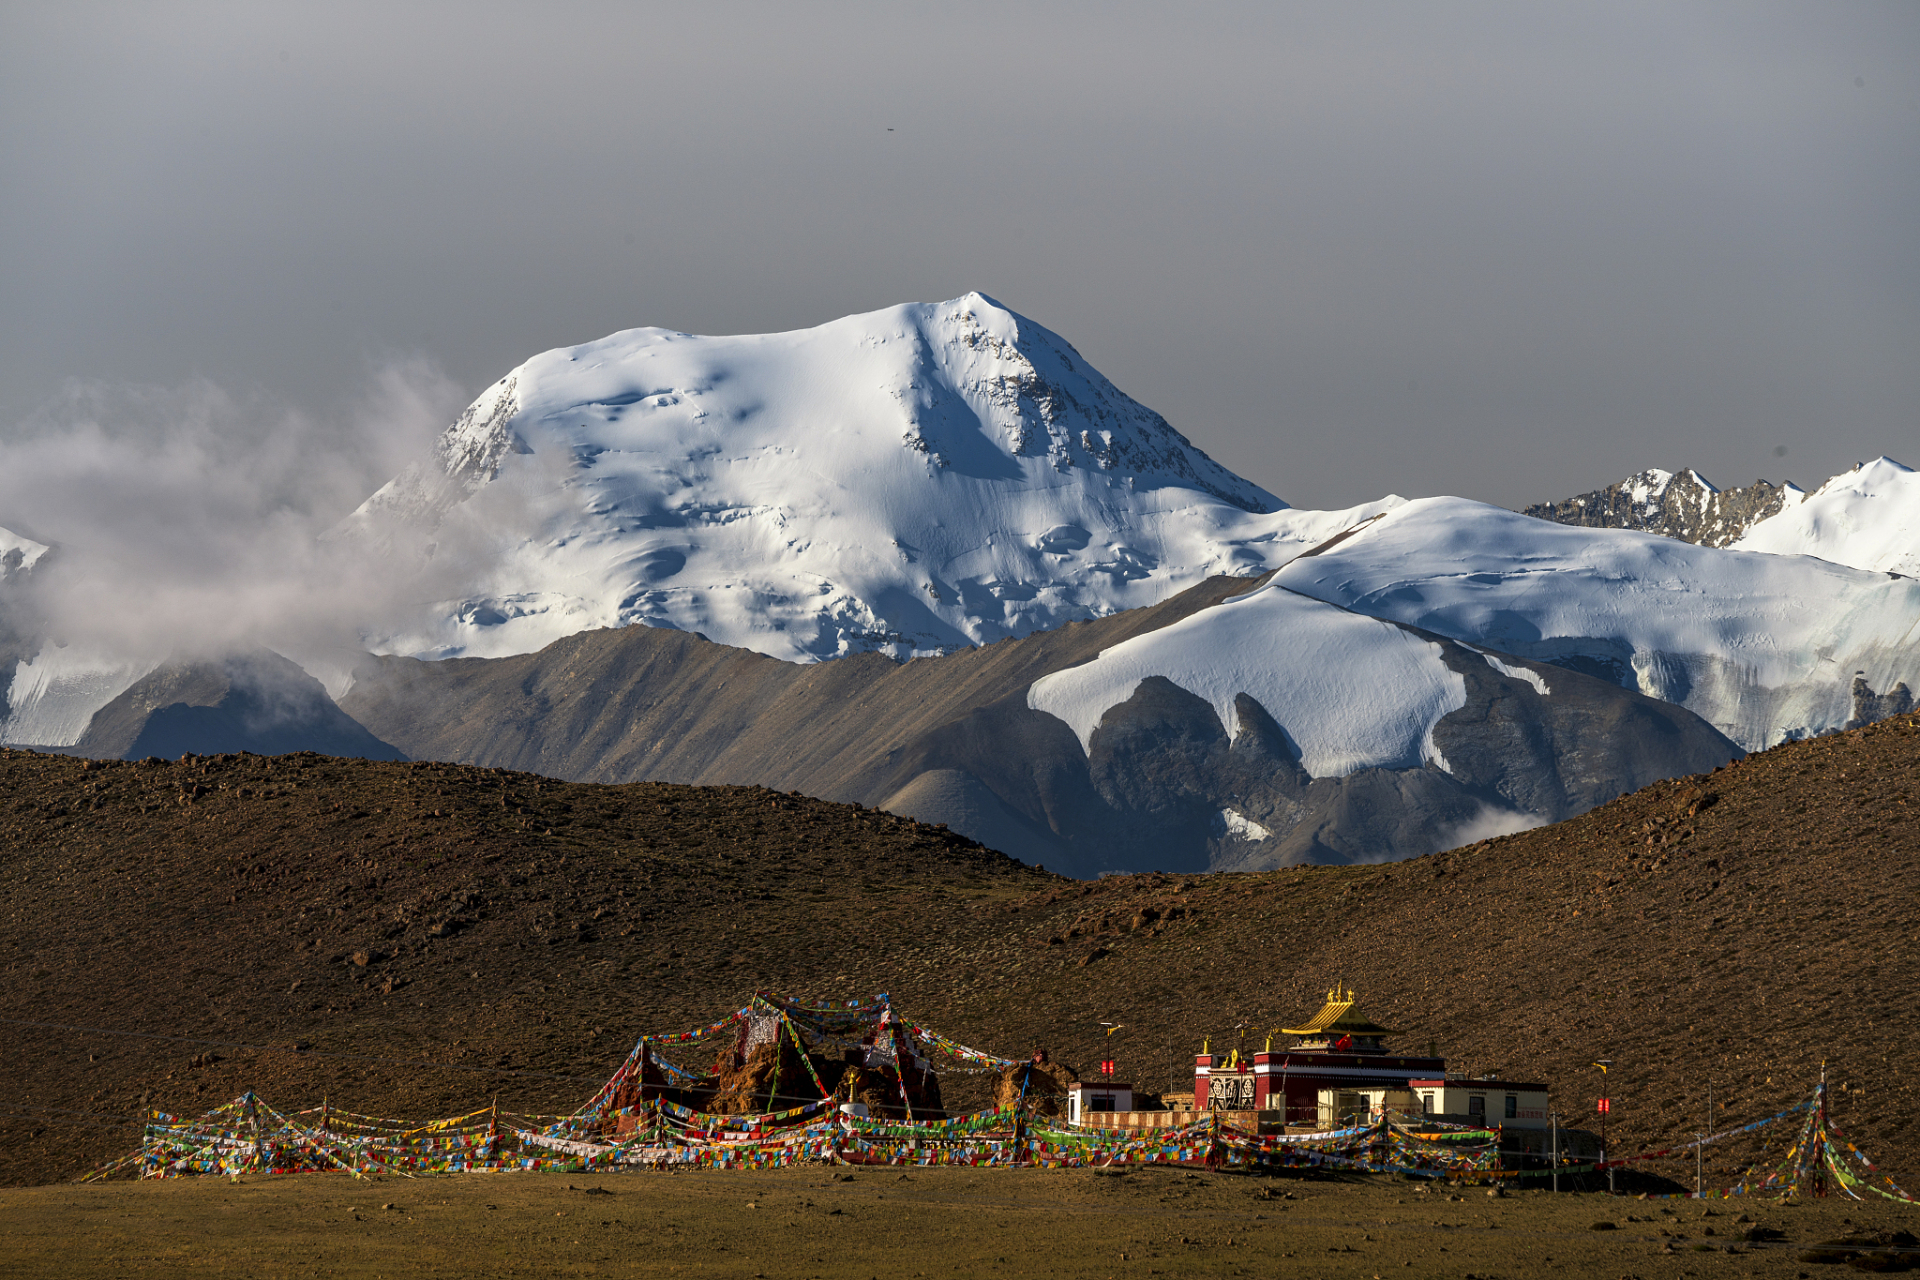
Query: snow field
point(1350, 691)
point(1868, 518)
point(1761, 646)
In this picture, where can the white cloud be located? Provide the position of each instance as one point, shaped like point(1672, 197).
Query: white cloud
point(184, 520)
point(1491, 821)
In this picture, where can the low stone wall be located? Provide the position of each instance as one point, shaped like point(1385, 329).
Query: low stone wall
point(1245, 1121)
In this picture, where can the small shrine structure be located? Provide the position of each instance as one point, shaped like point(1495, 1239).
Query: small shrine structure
point(1341, 1065)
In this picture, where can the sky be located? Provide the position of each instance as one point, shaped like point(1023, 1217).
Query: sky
point(1510, 252)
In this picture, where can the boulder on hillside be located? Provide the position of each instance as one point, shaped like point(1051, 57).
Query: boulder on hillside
point(1040, 1085)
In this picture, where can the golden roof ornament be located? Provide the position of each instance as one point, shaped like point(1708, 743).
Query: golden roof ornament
point(1338, 1017)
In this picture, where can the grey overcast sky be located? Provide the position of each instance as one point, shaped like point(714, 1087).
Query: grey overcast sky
point(1505, 251)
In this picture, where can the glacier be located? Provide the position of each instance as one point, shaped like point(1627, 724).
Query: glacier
point(1351, 692)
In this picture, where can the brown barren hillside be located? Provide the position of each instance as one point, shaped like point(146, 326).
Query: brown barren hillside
point(1733, 928)
point(954, 739)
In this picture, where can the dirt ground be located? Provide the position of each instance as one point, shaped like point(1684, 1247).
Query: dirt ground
point(821, 1222)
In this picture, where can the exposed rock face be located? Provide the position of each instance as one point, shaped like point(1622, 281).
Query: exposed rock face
point(1870, 707)
point(1171, 791)
point(257, 702)
point(1160, 784)
point(1682, 506)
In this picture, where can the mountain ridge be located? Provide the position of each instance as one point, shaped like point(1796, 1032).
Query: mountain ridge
point(1762, 646)
point(958, 739)
point(1867, 517)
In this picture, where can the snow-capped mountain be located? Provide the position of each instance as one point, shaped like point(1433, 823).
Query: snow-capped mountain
point(1868, 517)
point(1762, 646)
point(934, 477)
point(919, 479)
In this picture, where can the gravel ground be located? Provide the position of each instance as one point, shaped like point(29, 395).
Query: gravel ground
point(817, 1222)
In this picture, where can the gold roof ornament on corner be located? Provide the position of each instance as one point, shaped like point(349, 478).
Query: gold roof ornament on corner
point(1338, 1017)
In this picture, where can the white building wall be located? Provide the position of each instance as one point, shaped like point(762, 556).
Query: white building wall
point(1514, 1105)
point(1083, 1097)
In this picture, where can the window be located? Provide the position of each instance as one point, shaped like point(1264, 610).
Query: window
point(1513, 1107)
point(1104, 1102)
point(1426, 1104)
point(1477, 1106)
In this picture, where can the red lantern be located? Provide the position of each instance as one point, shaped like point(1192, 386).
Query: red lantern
point(1605, 1106)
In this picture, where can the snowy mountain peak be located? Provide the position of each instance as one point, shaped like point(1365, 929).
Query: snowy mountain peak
point(1868, 518)
point(1867, 477)
point(1041, 400)
point(958, 375)
point(912, 480)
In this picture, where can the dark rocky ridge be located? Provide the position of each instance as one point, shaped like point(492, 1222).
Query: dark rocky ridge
point(951, 739)
point(1682, 506)
point(1734, 928)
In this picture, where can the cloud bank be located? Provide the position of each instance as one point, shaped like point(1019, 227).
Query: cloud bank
point(186, 521)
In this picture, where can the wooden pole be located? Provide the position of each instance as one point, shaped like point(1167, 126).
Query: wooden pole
point(253, 1120)
point(1820, 1134)
point(1700, 1152)
point(1553, 1119)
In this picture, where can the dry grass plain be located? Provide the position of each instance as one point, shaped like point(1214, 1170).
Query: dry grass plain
point(815, 1222)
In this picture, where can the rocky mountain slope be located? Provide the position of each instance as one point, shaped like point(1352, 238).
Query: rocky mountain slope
point(1381, 743)
point(1679, 505)
point(412, 940)
point(257, 702)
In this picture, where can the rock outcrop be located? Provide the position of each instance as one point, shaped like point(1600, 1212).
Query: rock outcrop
point(1870, 707)
point(1681, 505)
